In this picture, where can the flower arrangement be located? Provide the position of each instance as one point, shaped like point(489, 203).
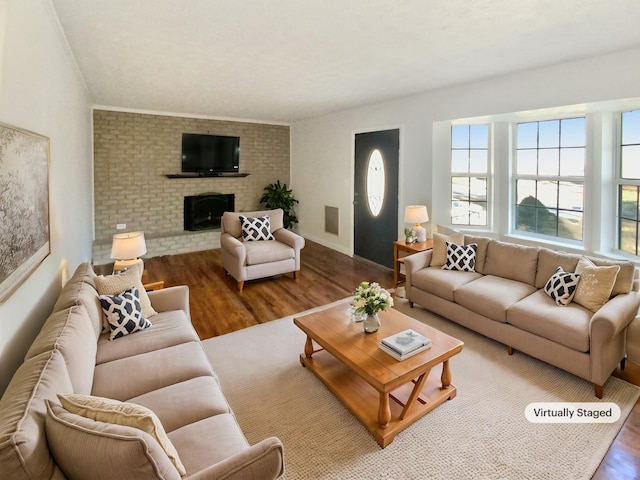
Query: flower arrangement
point(371, 298)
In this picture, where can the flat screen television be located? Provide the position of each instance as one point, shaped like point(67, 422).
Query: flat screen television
point(210, 154)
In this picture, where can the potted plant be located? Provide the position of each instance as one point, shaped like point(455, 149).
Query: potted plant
point(277, 195)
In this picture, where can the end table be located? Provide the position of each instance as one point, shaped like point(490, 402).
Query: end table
point(409, 249)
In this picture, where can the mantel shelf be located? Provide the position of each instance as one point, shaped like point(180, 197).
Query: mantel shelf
point(214, 175)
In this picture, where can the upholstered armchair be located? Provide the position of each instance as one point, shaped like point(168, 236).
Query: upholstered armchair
point(259, 246)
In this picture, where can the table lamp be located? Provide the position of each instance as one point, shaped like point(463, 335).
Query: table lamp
point(126, 250)
point(417, 214)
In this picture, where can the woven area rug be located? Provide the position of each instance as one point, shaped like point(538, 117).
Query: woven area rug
point(480, 434)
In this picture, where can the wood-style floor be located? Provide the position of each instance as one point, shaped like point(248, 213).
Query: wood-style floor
point(326, 275)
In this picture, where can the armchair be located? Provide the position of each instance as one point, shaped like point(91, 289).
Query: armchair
point(249, 260)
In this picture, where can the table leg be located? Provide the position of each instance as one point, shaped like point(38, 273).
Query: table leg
point(308, 347)
point(384, 410)
point(446, 374)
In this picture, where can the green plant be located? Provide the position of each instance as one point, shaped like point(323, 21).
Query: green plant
point(277, 195)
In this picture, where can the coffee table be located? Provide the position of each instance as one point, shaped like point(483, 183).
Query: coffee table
point(384, 394)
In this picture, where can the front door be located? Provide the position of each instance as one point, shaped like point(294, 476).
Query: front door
point(376, 195)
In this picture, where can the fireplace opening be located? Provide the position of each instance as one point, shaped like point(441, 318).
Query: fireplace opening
point(204, 211)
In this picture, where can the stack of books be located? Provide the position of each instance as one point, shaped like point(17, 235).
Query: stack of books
point(405, 344)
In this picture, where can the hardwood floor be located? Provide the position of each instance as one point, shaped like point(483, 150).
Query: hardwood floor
point(218, 308)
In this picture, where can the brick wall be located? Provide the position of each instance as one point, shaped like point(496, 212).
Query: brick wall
point(132, 154)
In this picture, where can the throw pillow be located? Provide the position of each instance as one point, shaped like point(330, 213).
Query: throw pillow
point(258, 228)
point(439, 254)
point(107, 410)
point(596, 284)
point(116, 284)
point(85, 448)
point(124, 314)
point(561, 286)
point(461, 257)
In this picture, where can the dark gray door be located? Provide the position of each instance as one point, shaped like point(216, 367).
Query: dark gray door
point(376, 195)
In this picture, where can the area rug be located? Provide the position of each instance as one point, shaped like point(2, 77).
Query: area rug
point(480, 434)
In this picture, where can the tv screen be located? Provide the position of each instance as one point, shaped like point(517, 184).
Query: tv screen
point(210, 154)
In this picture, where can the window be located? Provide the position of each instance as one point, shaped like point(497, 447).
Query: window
point(469, 174)
point(549, 178)
point(629, 183)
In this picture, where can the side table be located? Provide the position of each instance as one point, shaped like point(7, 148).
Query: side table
point(408, 249)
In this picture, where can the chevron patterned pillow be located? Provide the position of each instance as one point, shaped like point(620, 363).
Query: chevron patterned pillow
point(124, 313)
point(258, 228)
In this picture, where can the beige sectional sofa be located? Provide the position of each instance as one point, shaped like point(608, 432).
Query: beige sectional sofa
point(504, 299)
point(162, 375)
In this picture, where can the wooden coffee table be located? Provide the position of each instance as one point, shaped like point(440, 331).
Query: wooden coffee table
point(385, 395)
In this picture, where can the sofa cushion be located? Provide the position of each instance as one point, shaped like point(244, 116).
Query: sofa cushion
point(439, 255)
point(123, 413)
point(561, 286)
point(132, 376)
point(538, 314)
point(481, 250)
point(625, 277)
point(116, 284)
point(70, 332)
point(549, 260)
point(186, 402)
point(85, 294)
point(491, 296)
point(24, 453)
point(124, 313)
point(596, 284)
point(268, 252)
point(169, 328)
point(208, 441)
point(461, 257)
point(256, 228)
point(86, 448)
point(441, 282)
point(515, 262)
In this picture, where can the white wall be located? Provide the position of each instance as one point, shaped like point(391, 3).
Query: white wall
point(42, 91)
point(322, 148)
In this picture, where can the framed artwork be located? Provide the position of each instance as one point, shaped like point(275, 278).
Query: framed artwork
point(24, 205)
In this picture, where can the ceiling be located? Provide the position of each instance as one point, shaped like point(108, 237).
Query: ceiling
point(284, 60)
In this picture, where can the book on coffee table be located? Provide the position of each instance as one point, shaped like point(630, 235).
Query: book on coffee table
point(404, 344)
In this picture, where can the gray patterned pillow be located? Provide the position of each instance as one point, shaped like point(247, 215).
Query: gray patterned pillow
point(561, 286)
point(124, 313)
point(461, 257)
point(258, 228)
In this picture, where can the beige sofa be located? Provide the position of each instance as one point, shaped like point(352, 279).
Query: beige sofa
point(249, 260)
point(162, 368)
point(504, 300)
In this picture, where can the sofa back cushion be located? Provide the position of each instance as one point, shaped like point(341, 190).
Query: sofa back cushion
point(231, 220)
point(24, 453)
point(515, 262)
point(71, 332)
point(549, 260)
point(481, 251)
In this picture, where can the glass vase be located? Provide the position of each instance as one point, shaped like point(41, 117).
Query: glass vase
point(371, 323)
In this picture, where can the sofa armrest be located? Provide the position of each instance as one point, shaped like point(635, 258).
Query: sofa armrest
point(171, 298)
point(613, 317)
point(234, 247)
point(417, 261)
point(290, 238)
point(264, 460)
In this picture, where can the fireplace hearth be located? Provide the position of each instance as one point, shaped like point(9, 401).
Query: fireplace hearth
point(204, 211)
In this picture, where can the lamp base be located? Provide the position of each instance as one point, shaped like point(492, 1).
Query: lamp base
point(420, 232)
point(120, 266)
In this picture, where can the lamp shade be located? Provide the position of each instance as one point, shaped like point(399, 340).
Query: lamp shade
point(416, 214)
point(128, 246)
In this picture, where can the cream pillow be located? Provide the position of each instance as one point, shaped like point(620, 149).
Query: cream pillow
point(119, 283)
point(439, 255)
point(116, 412)
point(596, 284)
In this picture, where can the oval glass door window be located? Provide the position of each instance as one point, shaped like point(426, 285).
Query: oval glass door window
point(375, 183)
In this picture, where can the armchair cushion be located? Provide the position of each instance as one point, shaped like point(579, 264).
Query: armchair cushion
point(267, 252)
